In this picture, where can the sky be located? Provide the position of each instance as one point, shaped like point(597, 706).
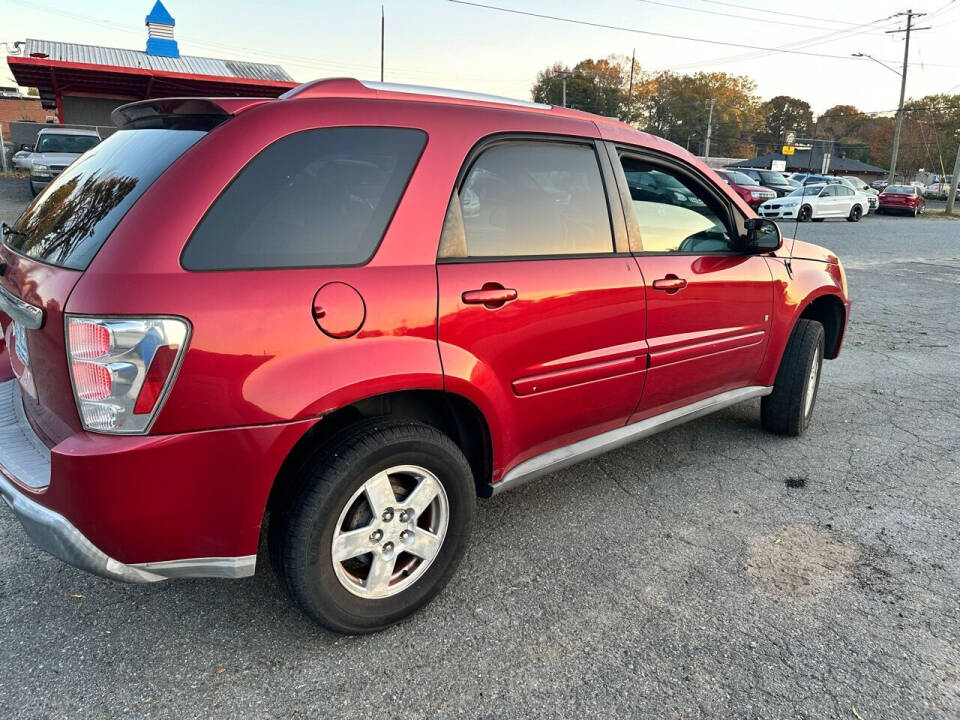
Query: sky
point(447, 44)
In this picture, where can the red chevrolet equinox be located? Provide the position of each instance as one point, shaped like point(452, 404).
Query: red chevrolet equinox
point(337, 318)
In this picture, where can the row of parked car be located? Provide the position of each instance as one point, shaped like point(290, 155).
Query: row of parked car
point(811, 196)
point(936, 191)
point(55, 149)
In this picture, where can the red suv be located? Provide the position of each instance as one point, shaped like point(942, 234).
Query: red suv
point(354, 309)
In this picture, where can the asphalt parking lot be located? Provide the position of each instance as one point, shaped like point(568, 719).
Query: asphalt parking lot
point(712, 571)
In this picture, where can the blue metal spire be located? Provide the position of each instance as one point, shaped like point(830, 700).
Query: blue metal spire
point(160, 15)
point(160, 32)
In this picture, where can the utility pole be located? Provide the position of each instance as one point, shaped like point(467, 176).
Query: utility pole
point(910, 15)
point(633, 61)
point(706, 149)
point(382, 28)
point(563, 77)
point(952, 192)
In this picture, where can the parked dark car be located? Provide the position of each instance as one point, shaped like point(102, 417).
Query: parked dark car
point(771, 179)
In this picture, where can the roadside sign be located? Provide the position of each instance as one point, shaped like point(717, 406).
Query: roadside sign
point(778, 165)
point(790, 138)
point(787, 150)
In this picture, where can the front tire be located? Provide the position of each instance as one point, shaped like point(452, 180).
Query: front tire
point(376, 525)
point(806, 212)
point(788, 409)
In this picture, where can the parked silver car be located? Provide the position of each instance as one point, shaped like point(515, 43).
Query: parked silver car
point(56, 149)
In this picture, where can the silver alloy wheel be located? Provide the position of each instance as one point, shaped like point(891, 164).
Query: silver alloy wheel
point(384, 544)
point(811, 388)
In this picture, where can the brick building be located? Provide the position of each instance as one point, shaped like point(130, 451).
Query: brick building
point(15, 108)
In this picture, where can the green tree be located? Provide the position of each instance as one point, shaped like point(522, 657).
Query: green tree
point(596, 86)
point(783, 114)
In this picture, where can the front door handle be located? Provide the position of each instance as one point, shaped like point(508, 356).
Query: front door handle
point(491, 296)
point(670, 284)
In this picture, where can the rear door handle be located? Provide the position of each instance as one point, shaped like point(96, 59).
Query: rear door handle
point(491, 296)
point(670, 284)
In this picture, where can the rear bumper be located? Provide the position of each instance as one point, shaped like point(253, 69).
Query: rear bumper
point(145, 508)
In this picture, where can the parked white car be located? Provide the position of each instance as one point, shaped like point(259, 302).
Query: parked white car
point(817, 203)
point(860, 186)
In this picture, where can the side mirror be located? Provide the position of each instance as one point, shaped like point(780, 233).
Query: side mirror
point(763, 236)
point(28, 148)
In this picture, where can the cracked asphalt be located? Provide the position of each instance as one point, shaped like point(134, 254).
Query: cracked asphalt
point(712, 571)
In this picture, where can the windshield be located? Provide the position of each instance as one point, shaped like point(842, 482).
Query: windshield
point(71, 219)
point(738, 178)
point(57, 143)
point(772, 178)
point(808, 190)
point(900, 189)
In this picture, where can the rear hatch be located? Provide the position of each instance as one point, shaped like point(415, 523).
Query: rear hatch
point(47, 250)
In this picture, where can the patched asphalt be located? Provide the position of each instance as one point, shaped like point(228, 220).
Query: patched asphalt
point(712, 571)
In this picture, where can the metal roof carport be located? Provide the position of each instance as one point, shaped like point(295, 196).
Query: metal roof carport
point(85, 71)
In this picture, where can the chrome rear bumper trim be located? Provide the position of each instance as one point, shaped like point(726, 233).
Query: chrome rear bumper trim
point(222, 567)
point(24, 458)
point(568, 455)
point(30, 316)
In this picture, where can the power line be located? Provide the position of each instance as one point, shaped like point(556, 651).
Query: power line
point(789, 23)
point(776, 12)
point(669, 36)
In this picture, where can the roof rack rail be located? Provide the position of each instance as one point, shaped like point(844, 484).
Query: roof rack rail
point(350, 87)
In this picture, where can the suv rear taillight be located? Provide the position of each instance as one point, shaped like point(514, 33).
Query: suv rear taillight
point(121, 369)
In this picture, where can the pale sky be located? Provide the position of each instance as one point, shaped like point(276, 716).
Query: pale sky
point(437, 42)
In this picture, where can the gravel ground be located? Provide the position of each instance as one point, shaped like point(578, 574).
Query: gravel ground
point(712, 571)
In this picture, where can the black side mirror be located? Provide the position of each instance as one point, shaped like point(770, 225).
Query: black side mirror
point(763, 236)
point(28, 148)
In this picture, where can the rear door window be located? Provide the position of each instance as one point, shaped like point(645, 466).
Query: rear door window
point(69, 222)
point(535, 199)
point(317, 198)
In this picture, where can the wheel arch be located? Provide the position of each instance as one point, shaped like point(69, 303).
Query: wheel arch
point(452, 414)
point(829, 311)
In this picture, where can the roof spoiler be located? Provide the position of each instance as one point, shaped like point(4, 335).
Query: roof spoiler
point(186, 113)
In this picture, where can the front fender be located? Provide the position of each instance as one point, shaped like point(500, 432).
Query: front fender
point(810, 280)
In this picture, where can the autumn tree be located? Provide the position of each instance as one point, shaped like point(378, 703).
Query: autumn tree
point(678, 106)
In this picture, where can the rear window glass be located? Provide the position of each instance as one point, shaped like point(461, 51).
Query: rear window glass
point(317, 198)
point(68, 223)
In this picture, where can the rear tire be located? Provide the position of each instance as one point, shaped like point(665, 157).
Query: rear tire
point(788, 409)
point(856, 212)
point(339, 490)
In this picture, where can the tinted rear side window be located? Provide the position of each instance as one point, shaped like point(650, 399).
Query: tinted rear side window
point(71, 219)
point(535, 199)
point(317, 198)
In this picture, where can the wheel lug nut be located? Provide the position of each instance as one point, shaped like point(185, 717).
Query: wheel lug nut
point(406, 537)
point(406, 516)
point(388, 515)
point(388, 548)
point(376, 536)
